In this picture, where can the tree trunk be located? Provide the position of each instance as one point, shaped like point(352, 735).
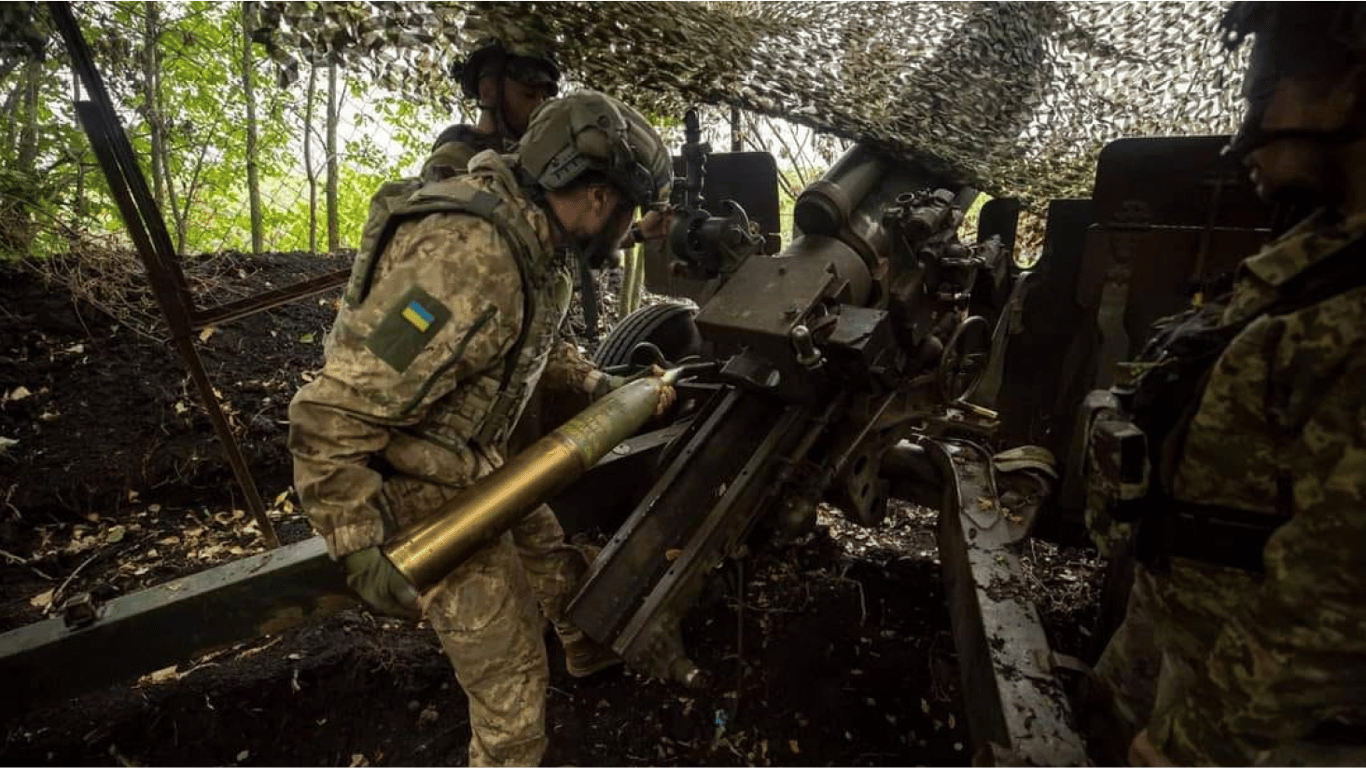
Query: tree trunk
point(253, 179)
point(333, 110)
point(16, 232)
point(79, 154)
point(149, 82)
point(28, 136)
point(308, 161)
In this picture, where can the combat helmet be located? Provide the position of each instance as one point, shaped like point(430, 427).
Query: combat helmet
point(1290, 40)
point(521, 61)
point(588, 132)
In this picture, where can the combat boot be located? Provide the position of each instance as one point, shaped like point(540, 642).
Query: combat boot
point(583, 656)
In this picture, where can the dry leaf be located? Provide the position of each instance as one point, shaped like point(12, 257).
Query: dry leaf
point(115, 534)
point(163, 675)
point(243, 755)
point(359, 761)
point(18, 393)
point(6, 443)
point(924, 706)
point(672, 554)
point(206, 333)
point(985, 503)
point(42, 599)
point(792, 745)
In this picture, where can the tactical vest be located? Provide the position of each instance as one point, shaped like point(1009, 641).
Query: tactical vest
point(451, 153)
point(485, 407)
point(1175, 366)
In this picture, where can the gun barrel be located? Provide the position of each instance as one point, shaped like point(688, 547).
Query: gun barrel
point(426, 552)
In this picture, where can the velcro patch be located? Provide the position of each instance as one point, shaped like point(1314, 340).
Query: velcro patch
point(406, 329)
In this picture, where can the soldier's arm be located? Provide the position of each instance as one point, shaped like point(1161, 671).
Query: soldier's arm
point(448, 304)
point(1300, 651)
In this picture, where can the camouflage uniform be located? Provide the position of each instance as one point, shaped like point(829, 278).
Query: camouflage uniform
point(391, 429)
point(1224, 666)
point(558, 396)
point(455, 146)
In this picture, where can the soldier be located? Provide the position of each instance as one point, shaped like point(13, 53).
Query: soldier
point(1245, 635)
point(444, 333)
point(508, 81)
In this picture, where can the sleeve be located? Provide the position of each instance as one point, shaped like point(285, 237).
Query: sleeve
point(567, 370)
point(446, 304)
point(1298, 654)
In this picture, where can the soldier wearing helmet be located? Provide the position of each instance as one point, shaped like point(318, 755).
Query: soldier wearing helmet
point(442, 337)
point(1244, 640)
point(508, 81)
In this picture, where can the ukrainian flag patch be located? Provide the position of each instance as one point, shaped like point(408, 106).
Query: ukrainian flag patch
point(418, 316)
point(413, 321)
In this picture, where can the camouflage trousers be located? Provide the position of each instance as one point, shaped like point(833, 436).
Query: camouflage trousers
point(1145, 669)
point(485, 614)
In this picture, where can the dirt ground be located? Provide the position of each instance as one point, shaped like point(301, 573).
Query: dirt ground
point(836, 651)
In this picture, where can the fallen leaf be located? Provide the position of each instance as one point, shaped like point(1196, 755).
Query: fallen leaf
point(18, 393)
point(6, 443)
point(181, 407)
point(42, 599)
point(93, 517)
point(672, 554)
point(168, 541)
point(76, 349)
point(115, 534)
point(792, 745)
point(49, 416)
point(163, 675)
point(924, 706)
point(952, 723)
point(307, 338)
point(244, 754)
point(985, 503)
point(205, 334)
point(154, 508)
point(359, 761)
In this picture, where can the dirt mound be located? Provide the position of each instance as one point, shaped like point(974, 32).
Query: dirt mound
point(100, 410)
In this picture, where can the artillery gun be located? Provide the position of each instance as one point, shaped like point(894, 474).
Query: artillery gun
point(876, 356)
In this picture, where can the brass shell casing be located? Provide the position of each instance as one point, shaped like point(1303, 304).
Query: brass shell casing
point(429, 550)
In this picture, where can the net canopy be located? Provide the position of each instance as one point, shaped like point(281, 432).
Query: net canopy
point(1013, 98)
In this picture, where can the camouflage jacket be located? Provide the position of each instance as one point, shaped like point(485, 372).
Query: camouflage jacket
point(453, 148)
point(1281, 428)
point(401, 386)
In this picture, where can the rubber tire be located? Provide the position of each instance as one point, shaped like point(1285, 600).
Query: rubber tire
point(668, 326)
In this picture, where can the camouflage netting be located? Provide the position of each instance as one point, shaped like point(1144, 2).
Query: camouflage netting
point(1014, 98)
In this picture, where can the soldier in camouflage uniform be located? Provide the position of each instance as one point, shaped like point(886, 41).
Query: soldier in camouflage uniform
point(444, 333)
point(1267, 665)
point(509, 81)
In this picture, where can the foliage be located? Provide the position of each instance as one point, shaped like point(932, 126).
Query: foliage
point(51, 184)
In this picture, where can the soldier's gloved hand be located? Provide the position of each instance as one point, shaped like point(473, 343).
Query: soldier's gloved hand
point(667, 395)
point(370, 575)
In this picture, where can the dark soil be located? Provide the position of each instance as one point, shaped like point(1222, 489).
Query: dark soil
point(838, 653)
